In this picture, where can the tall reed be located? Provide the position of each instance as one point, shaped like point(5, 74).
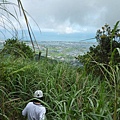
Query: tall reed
point(68, 94)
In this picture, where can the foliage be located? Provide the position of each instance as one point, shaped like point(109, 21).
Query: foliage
point(108, 40)
point(68, 95)
point(10, 24)
point(17, 48)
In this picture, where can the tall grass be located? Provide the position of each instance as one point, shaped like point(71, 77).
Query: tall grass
point(11, 24)
point(69, 95)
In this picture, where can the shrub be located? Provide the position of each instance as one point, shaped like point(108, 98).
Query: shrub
point(17, 48)
point(108, 41)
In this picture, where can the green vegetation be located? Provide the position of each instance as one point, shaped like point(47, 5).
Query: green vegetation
point(17, 49)
point(103, 60)
point(69, 94)
point(107, 51)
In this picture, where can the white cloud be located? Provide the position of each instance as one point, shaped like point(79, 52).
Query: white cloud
point(71, 15)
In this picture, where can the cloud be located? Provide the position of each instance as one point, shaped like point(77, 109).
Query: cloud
point(72, 15)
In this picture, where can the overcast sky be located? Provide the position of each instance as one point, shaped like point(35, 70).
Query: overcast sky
point(73, 15)
point(67, 16)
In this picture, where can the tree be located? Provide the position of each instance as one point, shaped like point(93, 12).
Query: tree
point(17, 48)
point(108, 40)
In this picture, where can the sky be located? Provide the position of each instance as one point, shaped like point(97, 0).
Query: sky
point(71, 16)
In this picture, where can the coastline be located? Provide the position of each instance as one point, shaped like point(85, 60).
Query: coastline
point(64, 51)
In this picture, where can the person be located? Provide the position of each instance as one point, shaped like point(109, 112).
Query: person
point(34, 110)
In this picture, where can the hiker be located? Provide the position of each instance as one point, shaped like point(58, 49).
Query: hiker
point(34, 110)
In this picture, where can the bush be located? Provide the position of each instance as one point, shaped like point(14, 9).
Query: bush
point(17, 48)
point(108, 41)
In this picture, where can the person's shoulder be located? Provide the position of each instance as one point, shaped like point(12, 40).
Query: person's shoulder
point(30, 103)
point(43, 107)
